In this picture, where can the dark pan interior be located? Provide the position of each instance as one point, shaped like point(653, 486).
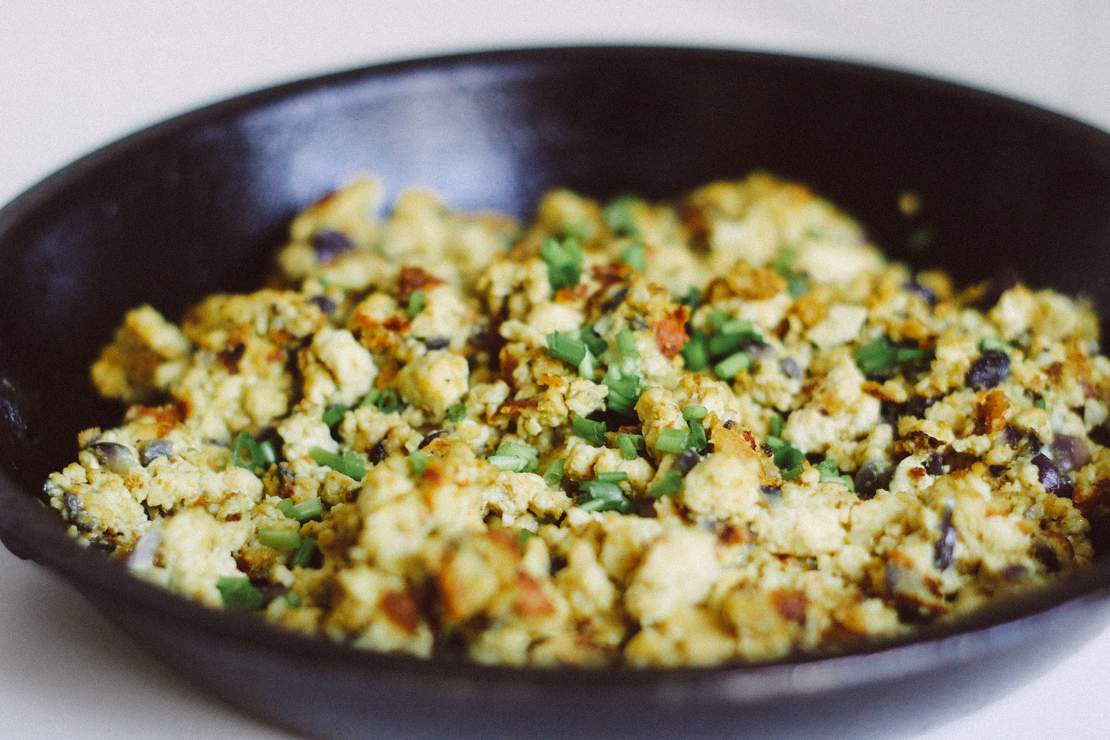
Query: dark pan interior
point(198, 204)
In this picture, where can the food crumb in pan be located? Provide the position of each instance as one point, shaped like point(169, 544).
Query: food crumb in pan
point(660, 434)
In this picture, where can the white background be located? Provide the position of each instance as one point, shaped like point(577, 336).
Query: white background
point(74, 75)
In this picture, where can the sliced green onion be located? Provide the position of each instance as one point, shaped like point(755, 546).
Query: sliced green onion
point(830, 473)
point(696, 352)
point(417, 301)
point(456, 413)
point(691, 297)
point(797, 285)
point(313, 508)
point(334, 415)
point(880, 358)
point(694, 413)
point(624, 389)
point(1039, 402)
point(697, 441)
point(630, 445)
point(618, 216)
point(733, 365)
point(349, 464)
point(776, 425)
point(522, 537)
point(418, 462)
point(388, 401)
point(784, 261)
point(304, 553)
point(280, 539)
point(603, 496)
point(986, 344)
point(787, 458)
point(239, 594)
point(612, 476)
point(593, 341)
point(564, 262)
point(515, 457)
point(672, 440)
point(553, 476)
point(634, 256)
point(246, 452)
point(626, 345)
point(668, 484)
point(292, 599)
point(589, 430)
point(717, 319)
point(567, 348)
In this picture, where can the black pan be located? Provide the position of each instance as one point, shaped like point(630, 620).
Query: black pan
point(198, 203)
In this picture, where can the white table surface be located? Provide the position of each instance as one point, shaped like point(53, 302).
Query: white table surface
point(74, 75)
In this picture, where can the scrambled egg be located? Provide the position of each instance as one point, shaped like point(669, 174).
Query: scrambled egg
point(723, 429)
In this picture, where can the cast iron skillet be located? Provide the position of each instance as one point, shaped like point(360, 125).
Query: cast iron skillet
point(197, 204)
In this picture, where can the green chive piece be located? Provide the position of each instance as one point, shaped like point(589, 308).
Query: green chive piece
point(634, 256)
point(239, 594)
point(578, 230)
point(880, 358)
point(694, 413)
point(349, 464)
point(456, 413)
point(624, 389)
point(696, 352)
point(612, 476)
point(567, 348)
point(784, 261)
point(593, 341)
point(830, 473)
point(672, 440)
point(733, 365)
point(280, 539)
point(553, 476)
point(691, 298)
point(601, 495)
point(303, 556)
point(776, 425)
point(564, 262)
point(313, 508)
point(418, 462)
point(630, 445)
point(371, 397)
point(388, 401)
point(589, 430)
point(523, 536)
point(618, 216)
point(667, 484)
point(697, 440)
point(417, 301)
point(717, 319)
point(797, 285)
point(292, 599)
point(246, 452)
point(1039, 402)
point(334, 415)
point(515, 457)
point(787, 458)
point(626, 345)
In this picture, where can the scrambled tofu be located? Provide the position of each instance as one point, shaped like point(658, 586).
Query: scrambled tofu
point(660, 434)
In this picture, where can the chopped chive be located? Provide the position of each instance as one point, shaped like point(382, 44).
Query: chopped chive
point(626, 345)
point(986, 344)
point(418, 462)
point(334, 415)
point(668, 484)
point(697, 440)
point(522, 537)
point(567, 348)
point(1039, 402)
point(578, 230)
point(880, 358)
point(564, 262)
point(694, 413)
point(717, 319)
point(589, 430)
point(634, 256)
point(280, 539)
point(246, 452)
point(515, 457)
point(624, 389)
point(593, 341)
point(292, 599)
point(313, 508)
point(830, 473)
point(691, 298)
point(733, 365)
point(601, 495)
point(612, 476)
point(303, 556)
point(388, 401)
point(787, 458)
point(784, 261)
point(457, 412)
point(239, 594)
point(696, 352)
point(776, 425)
point(797, 285)
point(672, 440)
point(630, 445)
point(553, 476)
point(349, 464)
point(371, 397)
point(618, 216)
point(417, 301)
